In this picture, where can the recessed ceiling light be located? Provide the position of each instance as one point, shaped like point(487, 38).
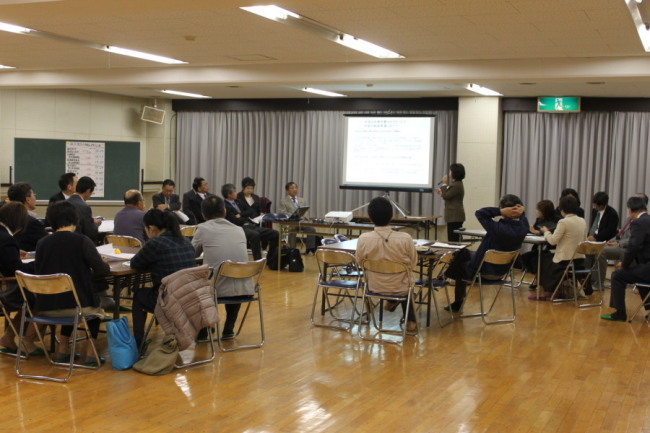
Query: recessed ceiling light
point(482, 90)
point(142, 55)
point(7, 67)
point(190, 95)
point(5, 27)
point(321, 92)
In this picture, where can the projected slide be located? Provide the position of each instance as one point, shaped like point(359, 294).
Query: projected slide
point(389, 153)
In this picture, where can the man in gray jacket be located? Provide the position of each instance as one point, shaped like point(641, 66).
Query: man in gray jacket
point(220, 240)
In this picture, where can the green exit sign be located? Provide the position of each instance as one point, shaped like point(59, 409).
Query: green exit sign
point(558, 104)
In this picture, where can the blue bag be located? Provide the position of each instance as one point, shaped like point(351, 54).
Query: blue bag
point(121, 344)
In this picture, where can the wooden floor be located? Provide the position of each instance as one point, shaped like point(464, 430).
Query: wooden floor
point(556, 369)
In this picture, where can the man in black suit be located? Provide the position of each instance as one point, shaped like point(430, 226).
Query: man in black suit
point(254, 233)
point(192, 200)
point(87, 224)
point(604, 225)
point(638, 250)
point(22, 192)
point(166, 199)
point(67, 185)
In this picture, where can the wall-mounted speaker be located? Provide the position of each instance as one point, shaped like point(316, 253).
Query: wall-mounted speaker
point(153, 115)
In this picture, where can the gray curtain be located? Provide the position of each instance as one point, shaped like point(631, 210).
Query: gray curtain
point(306, 147)
point(590, 152)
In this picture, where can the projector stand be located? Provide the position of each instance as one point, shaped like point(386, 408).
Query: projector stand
point(399, 208)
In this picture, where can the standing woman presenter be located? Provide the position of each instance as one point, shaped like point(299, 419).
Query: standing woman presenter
point(452, 192)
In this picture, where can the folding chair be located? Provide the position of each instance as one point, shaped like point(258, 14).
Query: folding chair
point(123, 241)
point(52, 285)
point(7, 314)
point(494, 257)
point(434, 285)
point(188, 231)
point(384, 267)
point(331, 284)
point(241, 270)
point(644, 302)
point(580, 277)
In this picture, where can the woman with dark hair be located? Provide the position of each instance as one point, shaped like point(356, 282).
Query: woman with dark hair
point(248, 202)
point(452, 192)
point(570, 231)
point(573, 193)
point(545, 213)
point(69, 252)
point(166, 252)
point(13, 220)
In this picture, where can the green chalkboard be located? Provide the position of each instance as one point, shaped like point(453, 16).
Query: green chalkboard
point(42, 161)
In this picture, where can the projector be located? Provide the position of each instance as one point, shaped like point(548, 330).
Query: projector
point(338, 217)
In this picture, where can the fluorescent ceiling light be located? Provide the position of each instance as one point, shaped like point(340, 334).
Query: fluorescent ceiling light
point(482, 90)
point(191, 95)
point(14, 29)
point(141, 55)
point(295, 20)
point(321, 92)
point(7, 67)
point(366, 47)
point(640, 12)
point(271, 12)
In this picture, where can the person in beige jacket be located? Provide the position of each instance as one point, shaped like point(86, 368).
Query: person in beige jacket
point(385, 244)
point(570, 231)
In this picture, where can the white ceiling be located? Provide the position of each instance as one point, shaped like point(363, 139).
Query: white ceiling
point(516, 47)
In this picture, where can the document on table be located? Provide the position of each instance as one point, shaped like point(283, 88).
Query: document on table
point(112, 254)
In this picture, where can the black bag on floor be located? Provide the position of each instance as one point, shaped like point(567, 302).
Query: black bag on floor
point(295, 261)
point(272, 258)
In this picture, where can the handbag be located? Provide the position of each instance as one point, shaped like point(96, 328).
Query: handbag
point(161, 359)
point(121, 344)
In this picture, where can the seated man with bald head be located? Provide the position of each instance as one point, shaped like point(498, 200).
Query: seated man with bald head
point(129, 220)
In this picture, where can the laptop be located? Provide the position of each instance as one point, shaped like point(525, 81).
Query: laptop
point(298, 213)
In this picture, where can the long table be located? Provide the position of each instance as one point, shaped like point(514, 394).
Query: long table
point(418, 222)
point(428, 259)
point(325, 229)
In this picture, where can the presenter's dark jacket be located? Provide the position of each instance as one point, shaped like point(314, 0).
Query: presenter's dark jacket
point(86, 224)
point(247, 210)
point(192, 206)
point(503, 235)
point(73, 254)
point(453, 195)
point(608, 225)
point(33, 233)
point(639, 247)
point(174, 201)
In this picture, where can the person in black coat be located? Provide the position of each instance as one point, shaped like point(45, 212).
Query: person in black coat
point(67, 186)
point(192, 200)
point(603, 227)
point(638, 251)
point(506, 234)
point(166, 199)
point(13, 219)
point(22, 192)
point(254, 233)
point(69, 252)
point(87, 225)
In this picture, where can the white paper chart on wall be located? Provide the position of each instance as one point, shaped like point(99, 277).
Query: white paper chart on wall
point(87, 159)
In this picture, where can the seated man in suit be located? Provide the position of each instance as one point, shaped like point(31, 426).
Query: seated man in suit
point(637, 252)
point(254, 233)
point(166, 199)
point(615, 249)
point(385, 244)
point(505, 234)
point(87, 224)
point(67, 184)
point(220, 240)
point(22, 192)
point(129, 221)
point(288, 206)
point(604, 225)
point(193, 198)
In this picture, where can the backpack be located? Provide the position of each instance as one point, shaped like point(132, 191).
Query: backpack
point(272, 258)
point(295, 261)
